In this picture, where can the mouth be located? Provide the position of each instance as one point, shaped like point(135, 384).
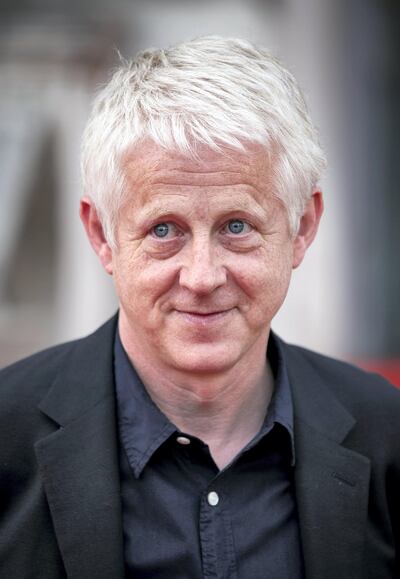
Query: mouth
point(204, 318)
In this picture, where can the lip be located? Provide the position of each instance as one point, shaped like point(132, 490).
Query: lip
point(203, 318)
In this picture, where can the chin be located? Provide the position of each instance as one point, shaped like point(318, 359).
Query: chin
point(205, 358)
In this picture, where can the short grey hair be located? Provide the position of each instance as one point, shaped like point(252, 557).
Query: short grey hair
point(214, 91)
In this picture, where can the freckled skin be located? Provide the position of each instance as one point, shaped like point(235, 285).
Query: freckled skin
point(200, 266)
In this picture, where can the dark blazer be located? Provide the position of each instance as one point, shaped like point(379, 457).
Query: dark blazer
point(60, 512)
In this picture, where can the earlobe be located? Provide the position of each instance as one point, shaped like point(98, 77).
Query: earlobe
point(308, 228)
point(95, 233)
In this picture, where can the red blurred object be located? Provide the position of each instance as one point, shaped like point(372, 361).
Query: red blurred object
point(389, 369)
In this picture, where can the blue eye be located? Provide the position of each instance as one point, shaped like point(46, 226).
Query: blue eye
point(236, 226)
point(161, 230)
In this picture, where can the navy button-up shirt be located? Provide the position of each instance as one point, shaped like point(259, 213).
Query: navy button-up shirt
point(183, 518)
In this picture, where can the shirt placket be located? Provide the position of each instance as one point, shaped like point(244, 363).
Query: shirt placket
point(217, 549)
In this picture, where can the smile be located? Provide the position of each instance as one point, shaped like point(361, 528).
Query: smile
point(204, 318)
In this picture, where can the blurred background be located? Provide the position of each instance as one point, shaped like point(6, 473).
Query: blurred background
point(54, 54)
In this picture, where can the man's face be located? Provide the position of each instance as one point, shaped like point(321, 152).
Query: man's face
point(204, 258)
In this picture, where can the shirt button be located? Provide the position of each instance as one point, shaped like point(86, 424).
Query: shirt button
point(213, 499)
point(183, 440)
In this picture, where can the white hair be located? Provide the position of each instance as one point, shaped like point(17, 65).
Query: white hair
point(213, 91)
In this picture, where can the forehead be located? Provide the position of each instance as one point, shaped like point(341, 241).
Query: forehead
point(150, 166)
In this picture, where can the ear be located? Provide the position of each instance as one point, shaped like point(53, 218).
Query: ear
point(309, 223)
point(95, 233)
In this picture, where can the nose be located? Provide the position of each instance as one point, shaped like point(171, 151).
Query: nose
point(202, 271)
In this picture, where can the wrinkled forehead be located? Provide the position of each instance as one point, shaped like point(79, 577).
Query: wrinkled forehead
point(149, 164)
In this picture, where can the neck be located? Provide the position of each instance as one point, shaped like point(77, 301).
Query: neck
point(224, 409)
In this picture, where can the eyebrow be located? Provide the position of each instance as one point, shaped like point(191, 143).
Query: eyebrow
point(159, 209)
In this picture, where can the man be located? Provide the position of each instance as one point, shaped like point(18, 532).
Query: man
point(184, 439)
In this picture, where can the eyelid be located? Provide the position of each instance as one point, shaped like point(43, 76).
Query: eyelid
point(246, 223)
point(175, 230)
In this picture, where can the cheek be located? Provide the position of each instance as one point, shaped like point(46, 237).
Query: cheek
point(140, 279)
point(264, 279)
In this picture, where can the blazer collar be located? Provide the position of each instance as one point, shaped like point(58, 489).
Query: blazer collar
point(331, 480)
point(79, 460)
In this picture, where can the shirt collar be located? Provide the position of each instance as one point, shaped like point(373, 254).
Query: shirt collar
point(143, 428)
point(280, 409)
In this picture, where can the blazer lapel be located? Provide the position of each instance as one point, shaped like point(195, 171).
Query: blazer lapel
point(79, 460)
point(331, 481)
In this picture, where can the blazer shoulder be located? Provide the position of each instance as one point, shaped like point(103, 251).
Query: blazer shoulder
point(30, 378)
point(367, 395)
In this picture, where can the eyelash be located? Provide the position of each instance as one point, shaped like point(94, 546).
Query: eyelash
point(231, 221)
point(163, 223)
point(224, 229)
